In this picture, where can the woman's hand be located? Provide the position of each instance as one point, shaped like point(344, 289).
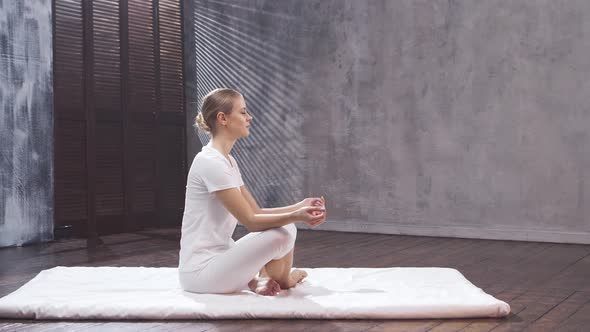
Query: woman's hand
point(312, 201)
point(322, 204)
point(313, 211)
point(311, 215)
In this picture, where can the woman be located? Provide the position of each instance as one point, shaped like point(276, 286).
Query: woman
point(216, 199)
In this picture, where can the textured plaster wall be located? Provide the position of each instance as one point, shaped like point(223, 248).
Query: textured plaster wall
point(26, 122)
point(442, 118)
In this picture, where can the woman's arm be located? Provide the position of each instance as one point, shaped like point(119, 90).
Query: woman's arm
point(257, 209)
point(254, 221)
point(239, 207)
point(283, 209)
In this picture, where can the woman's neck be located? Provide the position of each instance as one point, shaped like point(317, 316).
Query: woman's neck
point(223, 145)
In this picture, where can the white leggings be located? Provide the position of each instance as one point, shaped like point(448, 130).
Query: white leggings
point(231, 271)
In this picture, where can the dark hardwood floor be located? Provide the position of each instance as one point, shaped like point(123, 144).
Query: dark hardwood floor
point(546, 284)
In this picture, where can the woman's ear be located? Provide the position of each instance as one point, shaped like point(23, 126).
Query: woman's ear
point(221, 118)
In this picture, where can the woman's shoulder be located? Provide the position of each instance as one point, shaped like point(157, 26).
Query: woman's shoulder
point(208, 162)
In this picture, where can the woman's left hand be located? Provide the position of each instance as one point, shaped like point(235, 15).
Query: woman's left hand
point(313, 201)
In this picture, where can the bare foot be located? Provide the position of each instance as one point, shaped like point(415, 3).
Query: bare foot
point(296, 277)
point(264, 286)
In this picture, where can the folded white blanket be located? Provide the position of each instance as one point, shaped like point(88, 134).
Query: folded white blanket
point(338, 293)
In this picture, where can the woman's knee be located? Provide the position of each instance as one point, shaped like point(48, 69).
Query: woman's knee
point(283, 236)
point(284, 240)
point(288, 233)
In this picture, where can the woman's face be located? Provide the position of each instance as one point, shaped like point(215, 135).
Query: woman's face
point(239, 119)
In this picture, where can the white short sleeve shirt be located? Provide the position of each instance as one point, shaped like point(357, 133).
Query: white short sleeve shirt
point(207, 226)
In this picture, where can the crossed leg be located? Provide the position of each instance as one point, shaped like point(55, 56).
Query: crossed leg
point(236, 269)
point(280, 270)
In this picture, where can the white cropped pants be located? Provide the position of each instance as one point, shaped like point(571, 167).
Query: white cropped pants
point(231, 271)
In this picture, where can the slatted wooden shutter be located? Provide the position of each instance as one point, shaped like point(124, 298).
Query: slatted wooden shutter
point(143, 109)
point(119, 105)
point(109, 147)
point(69, 122)
point(172, 116)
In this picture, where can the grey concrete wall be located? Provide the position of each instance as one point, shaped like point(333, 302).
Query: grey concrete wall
point(26, 122)
point(441, 118)
point(252, 47)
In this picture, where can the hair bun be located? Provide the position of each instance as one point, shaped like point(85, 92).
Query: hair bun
point(201, 123)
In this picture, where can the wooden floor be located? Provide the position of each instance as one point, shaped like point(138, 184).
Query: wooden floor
point(547, 285)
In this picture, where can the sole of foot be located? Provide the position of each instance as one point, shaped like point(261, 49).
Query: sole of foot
point(264, 286)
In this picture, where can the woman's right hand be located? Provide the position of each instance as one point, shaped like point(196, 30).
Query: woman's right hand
point(311, 215)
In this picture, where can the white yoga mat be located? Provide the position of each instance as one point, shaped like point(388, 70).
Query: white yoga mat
point(328, 293)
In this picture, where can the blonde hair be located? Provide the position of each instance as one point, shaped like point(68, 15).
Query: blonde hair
point(218, 100)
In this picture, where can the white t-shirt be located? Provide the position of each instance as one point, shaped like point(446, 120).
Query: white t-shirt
point(207, 226)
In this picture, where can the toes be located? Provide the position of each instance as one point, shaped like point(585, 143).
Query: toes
point(300, 274)
point(268, 291)
point(272, 291)
point(303, 276)
point(276, 287)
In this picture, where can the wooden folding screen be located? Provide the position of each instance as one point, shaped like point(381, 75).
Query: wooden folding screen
point(119, 129)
